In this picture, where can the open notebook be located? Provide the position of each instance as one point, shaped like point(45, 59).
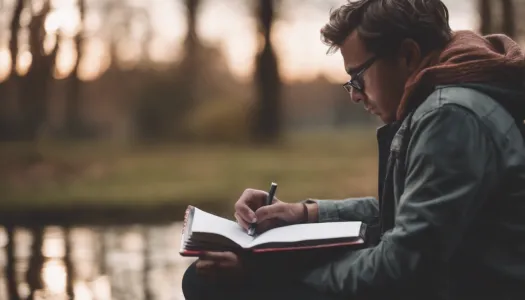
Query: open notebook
point(203, 231)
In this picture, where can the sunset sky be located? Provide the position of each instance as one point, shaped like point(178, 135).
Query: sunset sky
point(228, 23)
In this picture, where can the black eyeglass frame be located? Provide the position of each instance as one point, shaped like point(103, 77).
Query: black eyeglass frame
point(356, 81)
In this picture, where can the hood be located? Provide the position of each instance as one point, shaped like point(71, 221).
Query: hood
point(493, 63)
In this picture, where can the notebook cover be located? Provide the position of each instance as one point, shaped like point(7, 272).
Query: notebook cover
point(195, 253)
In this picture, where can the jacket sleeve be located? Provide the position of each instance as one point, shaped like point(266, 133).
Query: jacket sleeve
point(451, 167)
point(364, 209)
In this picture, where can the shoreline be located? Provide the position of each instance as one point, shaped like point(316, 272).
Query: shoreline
point(103, 214)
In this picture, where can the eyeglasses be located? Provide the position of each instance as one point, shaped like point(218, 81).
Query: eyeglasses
point(356, 79)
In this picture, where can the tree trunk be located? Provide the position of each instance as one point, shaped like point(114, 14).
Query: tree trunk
point(190, 70)
point(267, 118)
point(192, 40)
point(509, 22)
point(74, 125)
point(8, 122)
point(35, 84)
point(486, 17)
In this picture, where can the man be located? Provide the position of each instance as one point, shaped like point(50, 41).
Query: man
point(450, 220)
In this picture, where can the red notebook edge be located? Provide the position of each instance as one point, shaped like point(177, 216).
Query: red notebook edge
point(183, 251)
point(359, 241)
point(190, 253)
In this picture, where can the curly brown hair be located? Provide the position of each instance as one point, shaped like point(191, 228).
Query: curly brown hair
point(384, 24)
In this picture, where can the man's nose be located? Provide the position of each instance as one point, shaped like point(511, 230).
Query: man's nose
point(356, 96)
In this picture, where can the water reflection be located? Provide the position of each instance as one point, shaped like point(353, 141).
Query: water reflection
point(110, 263)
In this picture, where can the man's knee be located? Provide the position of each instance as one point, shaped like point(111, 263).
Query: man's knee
point(197, 287)
point(191, 283)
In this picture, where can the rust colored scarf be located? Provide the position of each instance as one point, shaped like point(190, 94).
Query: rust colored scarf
point(468, 58)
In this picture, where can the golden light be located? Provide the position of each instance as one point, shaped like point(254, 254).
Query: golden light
point(63, 3)
point(54, 244)
point(95, 61)
point(37, 5)
point(162, 52)
point(5, 64)
point(90, 69)
point(128, 53)
point(102, 288)
point(92, 21)
point(54, 276)
point(25, 17)
point(23, 62)
point(53, 22)
point(49, 43)
point(64, 16)
point(66, 58)
point(82, 291)
point(69, 21)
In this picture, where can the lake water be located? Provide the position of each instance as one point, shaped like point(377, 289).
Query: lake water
point(127, 262)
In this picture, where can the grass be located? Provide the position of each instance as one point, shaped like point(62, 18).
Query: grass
point(317, 165)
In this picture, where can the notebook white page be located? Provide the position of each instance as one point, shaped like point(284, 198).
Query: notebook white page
point(206, 222)
point(308, 232)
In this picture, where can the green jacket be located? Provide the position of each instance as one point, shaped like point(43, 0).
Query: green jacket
point(451, 214)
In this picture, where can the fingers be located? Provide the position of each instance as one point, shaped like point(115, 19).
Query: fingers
point(223, 259)
point(241, 221)
point(245, 215)
point(218, 256)
point(215, 263)
point(249, 201)
point(205, 264)
point(206, 267)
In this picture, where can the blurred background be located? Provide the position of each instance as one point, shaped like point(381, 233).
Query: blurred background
point(117, 114)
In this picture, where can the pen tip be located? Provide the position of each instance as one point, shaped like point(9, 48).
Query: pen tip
point(251, 231)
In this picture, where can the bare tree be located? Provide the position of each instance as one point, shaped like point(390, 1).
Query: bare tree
point(13, 40)
point(504, 22)
point(267, 125)
point(509, 21)
point(8, 123)
point(74, 125)
point(191, 42)
point(485, 16)
point(190, 64)
point(34, 85)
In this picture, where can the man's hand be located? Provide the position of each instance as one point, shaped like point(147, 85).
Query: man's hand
point(249, 209)
point(225, 264)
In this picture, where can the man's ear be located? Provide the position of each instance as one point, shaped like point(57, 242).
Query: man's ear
point(410, 54)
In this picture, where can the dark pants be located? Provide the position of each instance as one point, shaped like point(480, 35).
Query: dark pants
point(195, 287)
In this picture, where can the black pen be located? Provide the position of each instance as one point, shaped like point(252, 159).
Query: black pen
point(269, 199)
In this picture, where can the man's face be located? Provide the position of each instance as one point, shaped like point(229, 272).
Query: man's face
point(376, 82)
